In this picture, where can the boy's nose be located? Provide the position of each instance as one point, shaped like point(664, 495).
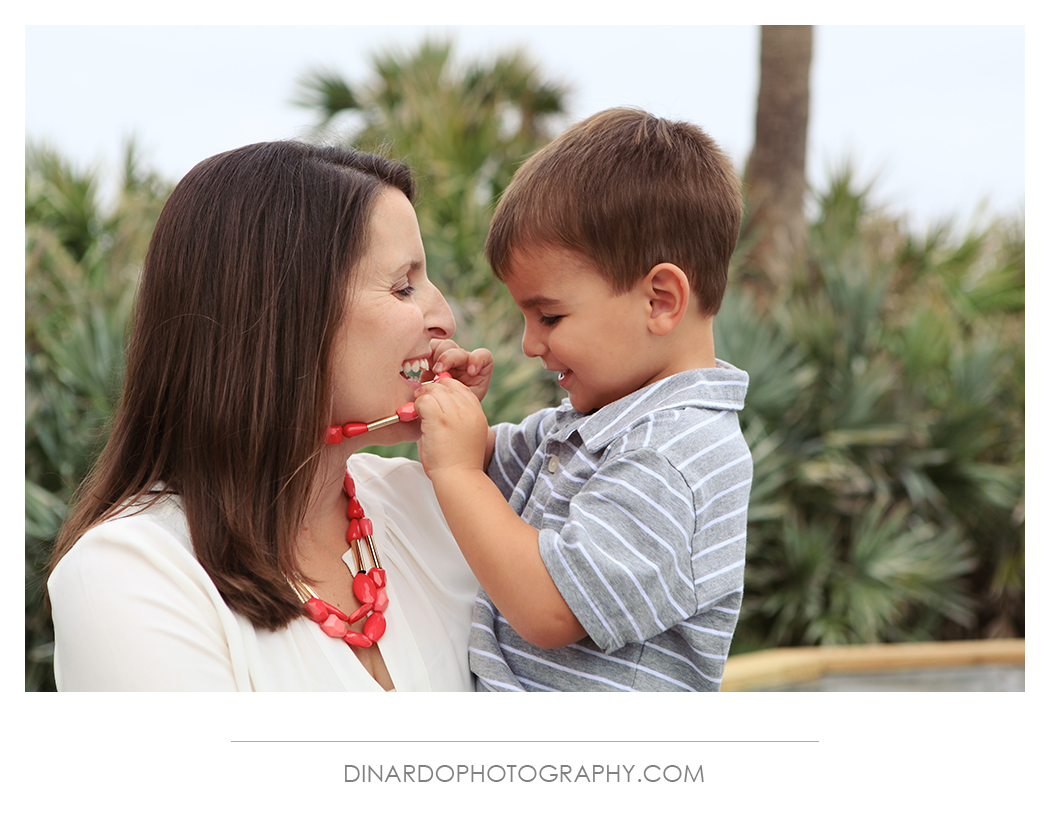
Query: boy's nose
point(531, 344)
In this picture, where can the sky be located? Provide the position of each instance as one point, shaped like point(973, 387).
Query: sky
point(932, 116)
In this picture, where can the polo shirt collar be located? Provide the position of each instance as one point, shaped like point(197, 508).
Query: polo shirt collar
point(719, 389)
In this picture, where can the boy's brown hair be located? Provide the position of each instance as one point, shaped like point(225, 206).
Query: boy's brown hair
point(627, 191)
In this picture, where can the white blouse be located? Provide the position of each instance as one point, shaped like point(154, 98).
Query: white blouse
point(134, 610)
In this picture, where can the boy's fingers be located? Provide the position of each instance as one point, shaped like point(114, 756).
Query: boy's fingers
point(443, 353)
point(478, 360)
point(440, 345)
point(450, 359)
point(448, 355)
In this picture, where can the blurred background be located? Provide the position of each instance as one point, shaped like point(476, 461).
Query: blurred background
point(876, 298)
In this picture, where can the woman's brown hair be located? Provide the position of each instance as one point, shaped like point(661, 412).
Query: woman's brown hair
point(228, 384)
point(626, 190)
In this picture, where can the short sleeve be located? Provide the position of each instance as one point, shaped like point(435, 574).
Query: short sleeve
point(622, 560)
point(134, 610)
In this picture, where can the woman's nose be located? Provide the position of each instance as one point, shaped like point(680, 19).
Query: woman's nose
point(440, 321)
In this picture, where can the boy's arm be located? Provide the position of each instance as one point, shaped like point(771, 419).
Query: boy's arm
point(501, 549)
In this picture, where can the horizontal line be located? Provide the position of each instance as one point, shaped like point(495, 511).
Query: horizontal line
point(363, 742)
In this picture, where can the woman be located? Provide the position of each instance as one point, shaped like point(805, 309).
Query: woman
point(284, 294)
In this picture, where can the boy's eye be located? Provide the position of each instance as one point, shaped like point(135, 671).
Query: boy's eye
point(549, 320)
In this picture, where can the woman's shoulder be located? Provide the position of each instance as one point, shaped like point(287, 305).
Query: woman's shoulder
point(150, 534)
point(131, 590)
point(157, 513)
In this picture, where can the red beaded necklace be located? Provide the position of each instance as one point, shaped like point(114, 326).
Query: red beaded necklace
point(369, 587)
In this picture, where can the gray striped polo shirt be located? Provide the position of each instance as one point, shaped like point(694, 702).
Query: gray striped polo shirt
point(642, 512)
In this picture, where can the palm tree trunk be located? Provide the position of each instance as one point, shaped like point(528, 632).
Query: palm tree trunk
point(776, 171)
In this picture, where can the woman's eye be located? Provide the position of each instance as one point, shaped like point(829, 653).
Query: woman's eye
point(549, 320)
point(404, 292)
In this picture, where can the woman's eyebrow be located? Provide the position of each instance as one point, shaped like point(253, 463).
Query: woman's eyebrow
point(407, 266)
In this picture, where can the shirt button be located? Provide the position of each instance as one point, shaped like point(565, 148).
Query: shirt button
point(552, 464)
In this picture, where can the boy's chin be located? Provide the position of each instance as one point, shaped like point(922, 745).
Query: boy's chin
point(583, 406)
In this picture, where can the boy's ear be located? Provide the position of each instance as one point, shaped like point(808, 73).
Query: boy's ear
point(667, 289)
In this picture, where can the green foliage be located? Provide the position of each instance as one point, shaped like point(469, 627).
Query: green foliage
point(886, 419)
point(82, 263)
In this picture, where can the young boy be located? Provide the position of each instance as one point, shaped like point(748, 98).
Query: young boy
point(607, 534)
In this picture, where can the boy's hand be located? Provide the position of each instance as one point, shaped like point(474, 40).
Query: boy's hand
point(472, 369)
point(455, 429)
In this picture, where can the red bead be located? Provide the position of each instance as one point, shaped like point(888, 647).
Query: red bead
point(353, 533)
point(364, 588)
point(354, 429)
point(333, 610)
point(354, 510)
point(361, 612)
point(382, 600)
point(333, 435)
point(378, 576)
point(375, 626)
point(348, 485)
point(333, 626)
point(317, 610)
point(357, 640)
point(407, 413)
point(366, 526)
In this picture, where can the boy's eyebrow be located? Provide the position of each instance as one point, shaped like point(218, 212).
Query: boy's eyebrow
point(537, 300)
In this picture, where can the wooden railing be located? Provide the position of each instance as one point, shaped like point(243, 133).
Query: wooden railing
point(768, 669)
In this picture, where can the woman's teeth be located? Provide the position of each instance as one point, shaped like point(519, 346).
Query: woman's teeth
point(413, 369)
